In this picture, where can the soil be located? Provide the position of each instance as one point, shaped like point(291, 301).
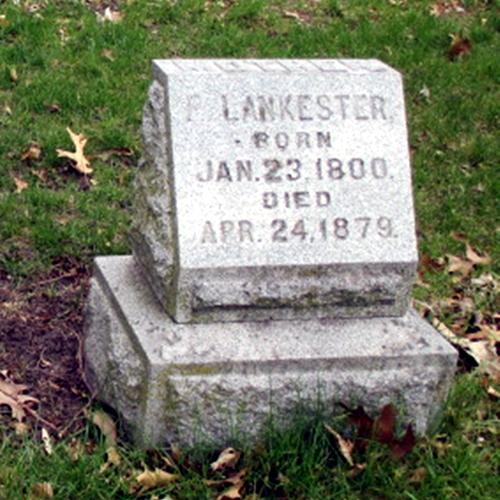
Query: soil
point(41, 324)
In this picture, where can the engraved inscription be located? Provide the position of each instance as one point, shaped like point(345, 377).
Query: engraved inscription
point(303, 107)
point(286, 155)
point(277, 170)
point(300, 230)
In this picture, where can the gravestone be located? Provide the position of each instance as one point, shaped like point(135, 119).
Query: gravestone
point(274, 252)
point(282, 190)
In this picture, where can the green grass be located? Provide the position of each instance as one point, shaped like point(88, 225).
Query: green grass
point(98, 73)
point(301, 461)
point(57, 53)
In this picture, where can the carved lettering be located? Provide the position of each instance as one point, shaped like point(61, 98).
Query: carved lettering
point(301, 107)
point(228, 232)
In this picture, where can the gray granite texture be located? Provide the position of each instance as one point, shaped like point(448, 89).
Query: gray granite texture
point(275, 189)
point(180, 382)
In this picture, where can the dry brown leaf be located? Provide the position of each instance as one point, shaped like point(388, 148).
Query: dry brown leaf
point(113, 458)
point(20, 428)
point(106, 426)
point(11, 395)
point(75, 449)
point(34, 152)
point(459, 265)
point(459, 47)
point(356, 470)
point(448, 334)
point(227, 458)
point(41, 490)
point(233, 479)
point(168, 461)
point(21, 184)
point(53, 107)
point(418, 475)
point(474, 257)
point(81, 164)
point(41, 174)
point(493, 392)
point(233, 493)
point(47, 442)
point(108, 54)
point(301, 16)
point(346, 446)
point(155, 479)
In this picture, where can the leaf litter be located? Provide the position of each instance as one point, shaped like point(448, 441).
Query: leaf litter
point(473, 330)
point(381, 429)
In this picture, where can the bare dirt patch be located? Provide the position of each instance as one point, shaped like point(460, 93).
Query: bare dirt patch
point(41, 324)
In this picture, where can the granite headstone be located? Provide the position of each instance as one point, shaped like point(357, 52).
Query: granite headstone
point(276, 189)
point(268, 190)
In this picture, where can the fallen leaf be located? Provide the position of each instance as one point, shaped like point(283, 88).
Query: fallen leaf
point(34, 152)
point(7, 110)
point(3, 20)
point(418, 475)
point(233, 479)
point(108, 54)
point(155, 479)
point(54, 107)
point(356, 470)
point(167, 460)
point(75, 449)
point(459, 265)
point(425, 92)
point(82, 164)
point(21, 184)
point(41, 490)
point(346, 446)
point(493, 392)
point(13, 75)
point(362, 421)
point(459, 47)
point(401, 448)
point(11, 395)
point(301, 16)
point(41, 174)
point(106, 426)
point(383, 427)
point(47, 442)
point(227, 458)
point(233, 493)
point(113, 458)
point(20, 428)
point(474, 257)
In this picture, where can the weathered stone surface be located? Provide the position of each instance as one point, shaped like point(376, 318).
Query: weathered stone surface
point(175, 382)
point(275, 189)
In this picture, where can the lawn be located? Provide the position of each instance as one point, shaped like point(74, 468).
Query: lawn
point(75, 64)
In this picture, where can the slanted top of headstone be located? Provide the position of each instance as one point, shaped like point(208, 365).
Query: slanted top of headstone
point(285, 187)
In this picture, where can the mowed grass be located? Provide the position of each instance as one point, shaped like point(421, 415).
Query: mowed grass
point(299, 462)
point(61, 67)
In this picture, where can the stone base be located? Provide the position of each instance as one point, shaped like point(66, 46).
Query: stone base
point(184, 382)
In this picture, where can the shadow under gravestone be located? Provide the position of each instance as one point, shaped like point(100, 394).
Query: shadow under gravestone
point(274, 254)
